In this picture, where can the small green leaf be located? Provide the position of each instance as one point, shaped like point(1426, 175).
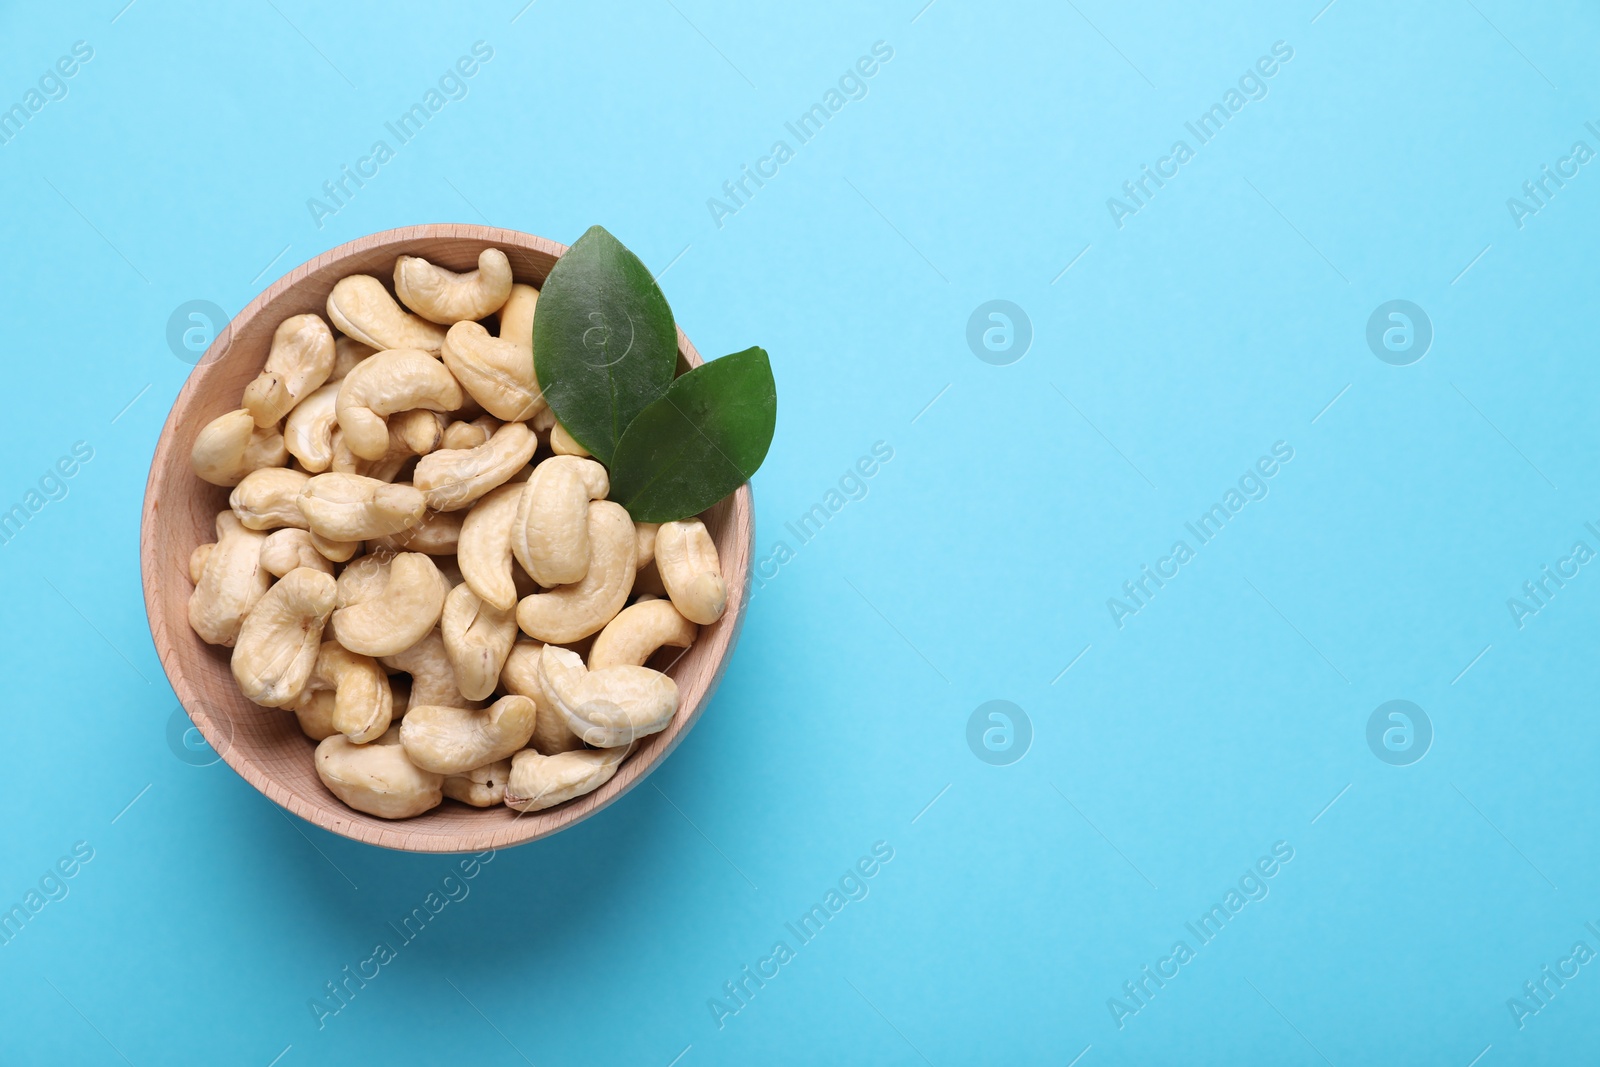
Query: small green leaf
point(604, 342)
point(699, 442)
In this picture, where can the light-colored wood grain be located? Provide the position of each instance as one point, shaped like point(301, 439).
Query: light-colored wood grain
point(265, 745)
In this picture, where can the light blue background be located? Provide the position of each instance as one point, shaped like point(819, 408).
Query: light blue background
point(1226, 716)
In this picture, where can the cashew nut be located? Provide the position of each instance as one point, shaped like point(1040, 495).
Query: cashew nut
point(687, 559)
point(610, 706)
point(230, 584)
point(335, 550)
point(550, 535)
point(647, 541)
point(544, 421)
point(377, 778)
point(484, 550)
point(638, 631)
point(438, 533)
point(232, 445)
point(285, 550)
point(397, 380)
point(453, 478)
point(477, 637)
point(365, 577)
point(498, 374)
point(455, 740)
point(363, 702)
point(300, 361)
point(401, 614)
point(461, 434)
point(520, 675)
point(278, 642)
point(314, 712)
point(308, 431)
point(349, 507)
point(563, 443)
point(418, 431)
point(361, 307)
point(571, 612)
point(516, 317)
point(347, 352)
point(411, 434)
point(443, 296)
point(538, 781)
point(482, 787)
point(269, 498)
point(197, 560)
point(433, 680)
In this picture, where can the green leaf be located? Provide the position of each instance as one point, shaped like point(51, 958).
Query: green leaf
point(698, 443)
point(604, 342)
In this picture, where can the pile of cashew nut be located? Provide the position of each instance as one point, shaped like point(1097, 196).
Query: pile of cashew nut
point(446, 612)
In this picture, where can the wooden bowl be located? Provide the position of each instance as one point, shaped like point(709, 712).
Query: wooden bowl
point(265, 745)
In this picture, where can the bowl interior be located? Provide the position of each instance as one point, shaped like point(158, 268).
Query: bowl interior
point(265, 745)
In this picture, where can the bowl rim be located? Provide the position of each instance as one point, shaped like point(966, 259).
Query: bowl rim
point(357, 826)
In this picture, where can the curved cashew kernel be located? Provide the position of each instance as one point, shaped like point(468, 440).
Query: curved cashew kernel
point(611, 706)
point(361, 307)
point(497, 374)
point(550, 535)
point(637, 631)
point(314, 711)
point(277, 645)
point(411, 434)
point(392, 381)
point(455, 740)
point(363, 702)
point(538, 782)
point(399, 616)
point(520, 675)
point(286, 550)
point(300, 361)
point(544, 421)
point(438, 533)
point(377, 778)
point(418, 431)
point(269, 498)
point(308, 431)
point(349, 507)
point(563, 443)
point(347, 462)
point(232, 445)
point(197, 560)
point(516, 317)
point(482, 787)
point(687, 559)
point(461, 434)
point(484, 550)
point(347, 352)
point(443, 296)
point(647, 541)
point(335, 551)
point(433, 680)
point(477, 637)
point(364, 578)
point(571, 612)
point(231, 583)
point(453, 478)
